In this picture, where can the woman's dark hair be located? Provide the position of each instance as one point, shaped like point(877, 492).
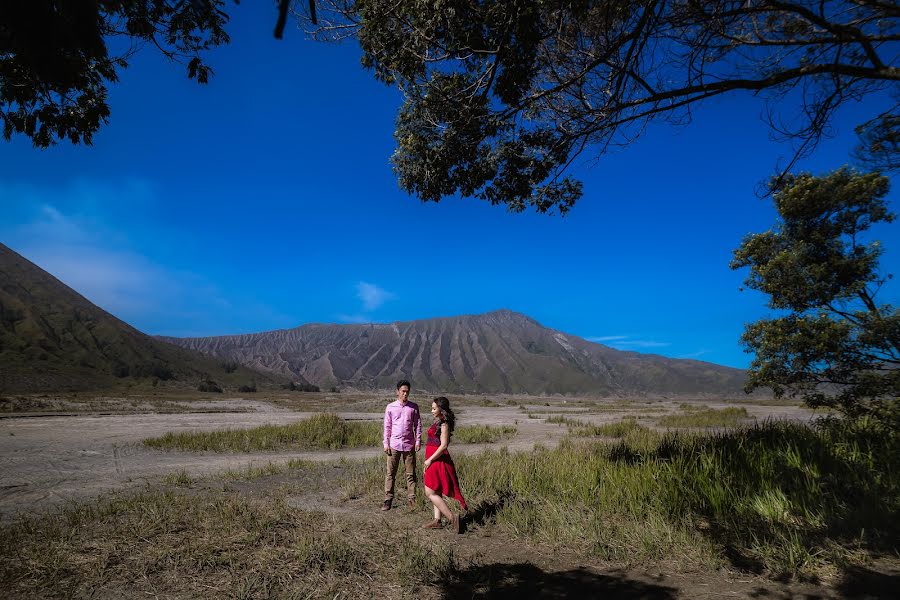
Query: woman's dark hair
point(446, 415)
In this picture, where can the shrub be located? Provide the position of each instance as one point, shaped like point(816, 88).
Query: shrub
point(153, 369)
point(301, 387)
point(208, 385)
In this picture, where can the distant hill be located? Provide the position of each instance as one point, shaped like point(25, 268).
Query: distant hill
point(54, 339)
point(496, 352)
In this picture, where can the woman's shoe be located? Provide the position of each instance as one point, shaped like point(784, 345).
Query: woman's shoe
point(435, 524)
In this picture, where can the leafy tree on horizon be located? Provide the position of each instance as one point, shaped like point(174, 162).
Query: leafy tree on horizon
point(833, 344)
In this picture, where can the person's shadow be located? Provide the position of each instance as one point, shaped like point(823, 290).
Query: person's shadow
point(524, 580)
point(483, 513)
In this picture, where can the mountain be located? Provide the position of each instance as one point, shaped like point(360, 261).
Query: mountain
point(496, 352)
point(52, 338)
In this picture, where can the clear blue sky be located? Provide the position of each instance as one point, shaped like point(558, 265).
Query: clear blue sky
point(265, 200)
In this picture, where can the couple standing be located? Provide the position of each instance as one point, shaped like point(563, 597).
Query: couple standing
point(402, 439)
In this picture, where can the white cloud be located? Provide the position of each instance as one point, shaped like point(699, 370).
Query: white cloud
point(97, 261)
point(643, 343)
point(607, 338)
point(624, 342)
point(371, 295)
point(130, 286)
point(353, 318)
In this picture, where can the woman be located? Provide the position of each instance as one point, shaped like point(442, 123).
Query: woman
point(440, 473)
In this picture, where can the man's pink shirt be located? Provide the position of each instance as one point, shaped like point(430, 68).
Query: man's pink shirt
point(402, 426)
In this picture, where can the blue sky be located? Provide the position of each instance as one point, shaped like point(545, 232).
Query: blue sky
point(265, 200)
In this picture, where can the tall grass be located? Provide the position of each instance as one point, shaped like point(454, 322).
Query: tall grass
point(704, 416)
point(778, 497)
point(483, 434)
point(617, 429)
point(319, 432)
point(563, 420)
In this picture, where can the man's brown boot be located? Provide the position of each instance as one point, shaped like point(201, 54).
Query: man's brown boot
point(386, 505)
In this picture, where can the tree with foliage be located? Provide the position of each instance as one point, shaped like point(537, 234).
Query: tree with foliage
point(833, 344)
point(55, 62)
point(879, 143)
point(502, 96)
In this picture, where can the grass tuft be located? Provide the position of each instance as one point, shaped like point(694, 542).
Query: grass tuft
point(483, 434)
point(706, 417)
point(320, 432)
point(617, 429)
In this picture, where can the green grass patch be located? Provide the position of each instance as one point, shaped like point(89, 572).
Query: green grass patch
point(550, 411)
point(179, 479)
point(618, 429)
point(483, 434)
point(563, 420)
point(700, 416)
point(319, 432)
point(783, 498)
point(779, 495)
point(581, 428)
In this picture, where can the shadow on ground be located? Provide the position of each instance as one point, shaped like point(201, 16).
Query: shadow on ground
point(483, 513)
point(861, 582)
point(523, 580)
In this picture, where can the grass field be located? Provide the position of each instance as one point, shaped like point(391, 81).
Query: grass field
point(788, 500)
point(223, 545)
point(320, 432)
point(777, 497)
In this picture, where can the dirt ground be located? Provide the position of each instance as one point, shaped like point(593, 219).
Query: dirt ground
point(50, 460)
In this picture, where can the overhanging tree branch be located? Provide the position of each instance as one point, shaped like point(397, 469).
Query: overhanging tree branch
point(594, 74)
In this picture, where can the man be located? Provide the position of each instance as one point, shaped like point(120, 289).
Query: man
point(402, 438)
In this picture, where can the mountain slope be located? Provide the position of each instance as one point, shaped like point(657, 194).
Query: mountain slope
point(52, 338)
point(500, 351)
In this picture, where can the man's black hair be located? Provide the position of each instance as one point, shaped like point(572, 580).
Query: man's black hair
point(403, 382)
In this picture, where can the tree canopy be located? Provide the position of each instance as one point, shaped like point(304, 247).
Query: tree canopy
point(501, 97)
point(55, 61)
point(833, 344)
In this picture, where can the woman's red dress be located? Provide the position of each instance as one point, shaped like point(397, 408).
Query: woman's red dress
point(441, 475)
